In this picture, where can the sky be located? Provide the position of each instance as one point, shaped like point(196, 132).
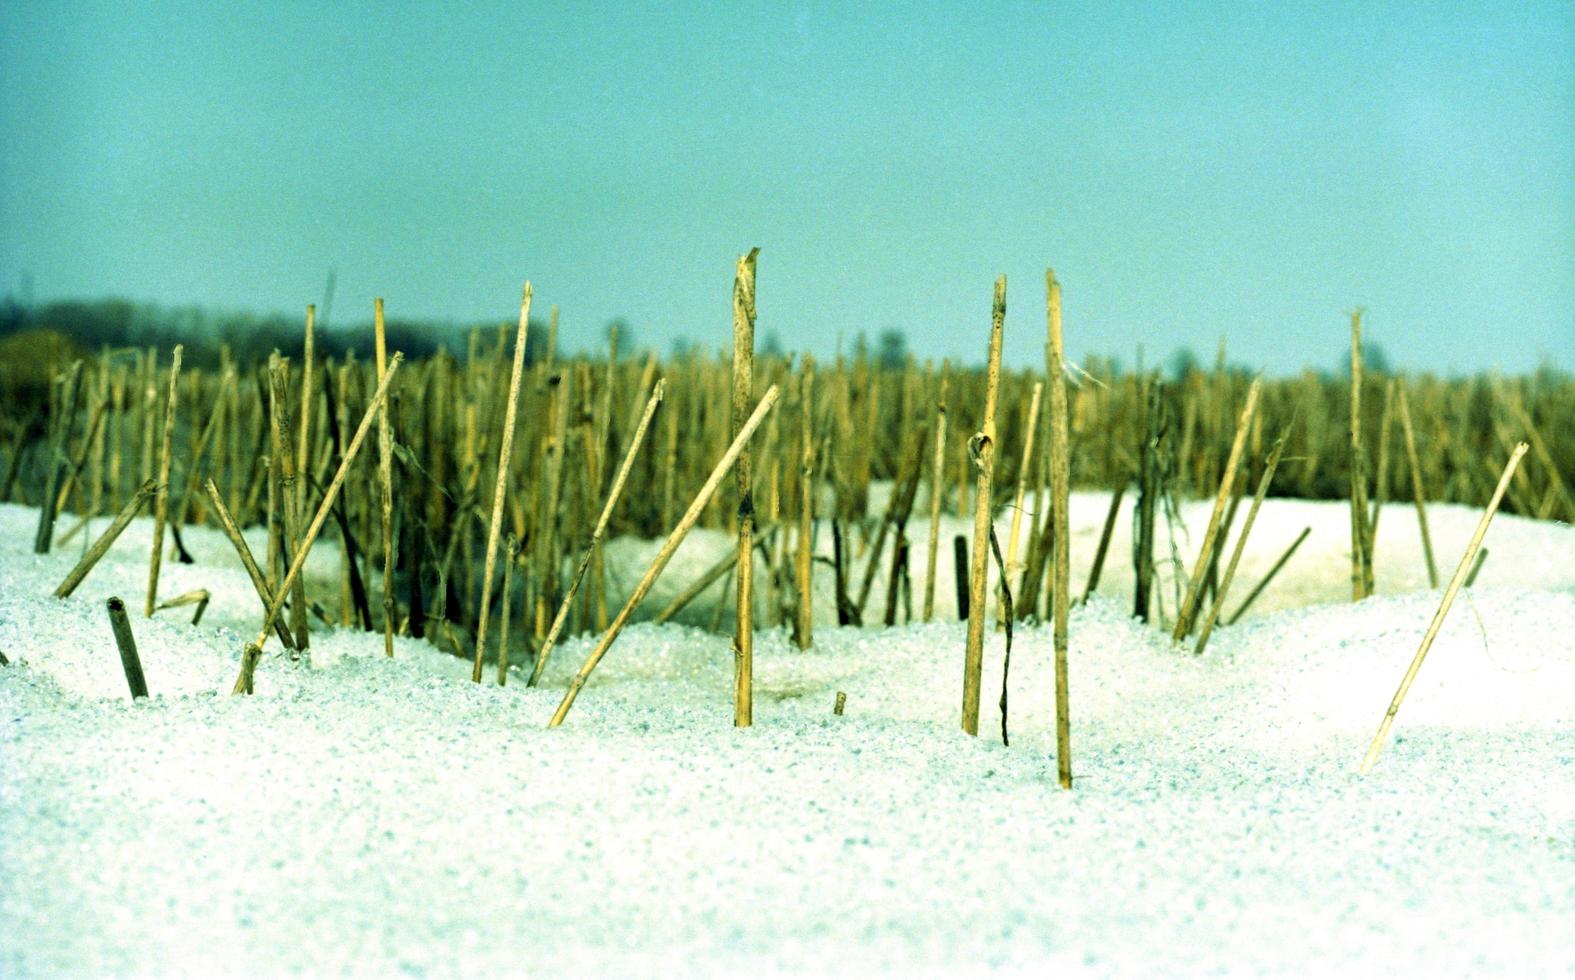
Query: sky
point(1191, 171)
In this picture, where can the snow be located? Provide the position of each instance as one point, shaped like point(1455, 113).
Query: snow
point(372, 816)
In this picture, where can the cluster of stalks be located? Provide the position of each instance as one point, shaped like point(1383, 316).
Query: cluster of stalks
point(492, 455)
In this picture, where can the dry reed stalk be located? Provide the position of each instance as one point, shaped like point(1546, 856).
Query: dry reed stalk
point(901, 498)
point(1060, 488)
point(74, 578)
point(743, 394)
point(1039, 543)
point(663, 556)
point(1105, 534)
point(245, 681)
point(1014, 568)
point(130, 663)
point(1539, 448)
point(500, 487)
point(78, 460)
point(511, 549)
point(599, 532)
point(274, 520)
point(1521, 494)
point(937, 491)
point(303, 462)
point(1455, 585)
point(161, 497)
point(1241, 543)
point(61, 425)
point(545, 561)
point(1381, 480)
point(669, 468)
point(596, 459)
point(1361, 565)
point(864, 440)
point(289, 497)
point(960, 568)
point(256, 476)
point(102, 397)
point(259, 581)
point(194, 468)
point(1268, 577)
point(1418, 494)
point(196, 597)
point(227, 470)
point(372, 411)
point(580, 513)
point(897, 515)
point(1211, 578)
point(150, 400)
point(385, 474)
point(354, 606)
point(1149, 490)
point(803, 566)
point(692, 591)
point(1476, 567)
point(117, 395)
point(982, 449)
point(1189, 605)
point(778, 570)
point(1191, 399)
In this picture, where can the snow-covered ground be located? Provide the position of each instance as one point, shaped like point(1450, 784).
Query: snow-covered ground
point(373, 816)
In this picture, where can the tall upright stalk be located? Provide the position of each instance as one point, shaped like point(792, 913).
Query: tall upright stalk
point(982, 447)
point(1361, 559)
point(937, 491)
point(162, 495)
point(743, 394)
point(385, 481)
point(803, 565)
point(501, 485)
point(1060, 486)
point(1419, 495)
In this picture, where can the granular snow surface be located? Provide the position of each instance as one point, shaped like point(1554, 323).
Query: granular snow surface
point(361, 815)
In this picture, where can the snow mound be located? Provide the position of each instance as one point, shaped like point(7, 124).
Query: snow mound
point(373, 816)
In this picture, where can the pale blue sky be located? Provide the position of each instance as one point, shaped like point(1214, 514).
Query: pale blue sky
point(1191, 170)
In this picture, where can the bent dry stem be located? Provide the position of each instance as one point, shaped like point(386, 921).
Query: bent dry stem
point(233, 533)
point(102, 545)
point(1455, 585)
point(1189, 606)
point(1241, 544)
point(613, 495)
point(663, 556)
point(322, 510)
